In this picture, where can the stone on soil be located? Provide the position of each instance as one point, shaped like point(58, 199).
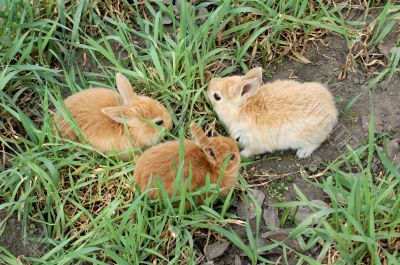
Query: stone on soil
point(249, 211)
point(216, 249)
point(394, 150)
point(303, 212)
point(271, 218)
point(281, 235)
point(237, 260)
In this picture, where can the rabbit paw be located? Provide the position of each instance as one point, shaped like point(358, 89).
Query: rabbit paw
point(246, 153)
point(305, 151)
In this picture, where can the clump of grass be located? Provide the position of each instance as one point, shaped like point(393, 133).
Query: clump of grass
point(362, 224)
point(96, 214)
point(365, 222)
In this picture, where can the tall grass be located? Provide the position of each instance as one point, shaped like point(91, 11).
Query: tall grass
point(85, 202)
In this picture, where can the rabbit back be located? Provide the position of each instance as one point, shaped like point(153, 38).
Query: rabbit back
point(99, 130)
point(286, 114)
point(162, 161)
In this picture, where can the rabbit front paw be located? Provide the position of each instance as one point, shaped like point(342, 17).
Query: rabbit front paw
point(246, 153)
point(306, 151)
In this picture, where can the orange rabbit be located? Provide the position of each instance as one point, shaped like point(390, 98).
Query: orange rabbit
point(113, 121)
point(275, 116)
point(204, 157)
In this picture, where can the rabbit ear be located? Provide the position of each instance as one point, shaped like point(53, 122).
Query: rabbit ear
point(210, 154)
point(254, 73)
point(125, 89)
point(204, 142)
point(120, 115)
point(198, 134)
point(247, 88)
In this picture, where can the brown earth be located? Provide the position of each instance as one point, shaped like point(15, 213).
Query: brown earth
point(12, 238)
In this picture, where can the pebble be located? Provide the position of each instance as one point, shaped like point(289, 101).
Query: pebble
point(202, 15)
point(237, 260)
point(216, 249)
point(303, 212)
point(281, 235)
point(365, 121)
point(166, 20)
point(249, 211)
point(271, 218)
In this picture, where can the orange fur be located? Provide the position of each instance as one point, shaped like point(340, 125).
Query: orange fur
point(274, 116)
point(114, 122)
point(203, 157)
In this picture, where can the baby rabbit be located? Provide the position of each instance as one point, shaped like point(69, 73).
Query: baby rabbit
point(112, 121)
point(204, 157)
point(274, 116)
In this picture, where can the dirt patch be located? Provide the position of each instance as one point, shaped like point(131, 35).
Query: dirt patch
point(12, 238)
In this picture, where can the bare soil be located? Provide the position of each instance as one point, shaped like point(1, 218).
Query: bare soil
point(12, 238)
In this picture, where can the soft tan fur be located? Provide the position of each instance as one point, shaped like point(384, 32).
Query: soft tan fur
point(273, 116)
point(114, 122)
point(204, 157)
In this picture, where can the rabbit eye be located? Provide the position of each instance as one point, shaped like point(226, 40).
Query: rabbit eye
point(217, 97)
point(237, 139)
point(232, 157)
point(211, 152)
point(159, 122)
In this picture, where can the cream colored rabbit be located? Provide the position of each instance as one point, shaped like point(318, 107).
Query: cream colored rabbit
point(274, 116)
point(112, 121)
point(203, 157)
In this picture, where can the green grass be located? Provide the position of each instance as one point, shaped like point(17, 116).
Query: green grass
point(85, 202)
point(362, 224)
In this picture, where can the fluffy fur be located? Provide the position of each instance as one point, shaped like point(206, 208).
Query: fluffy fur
point(112, 121)
point(204, 157)
point(274, 116)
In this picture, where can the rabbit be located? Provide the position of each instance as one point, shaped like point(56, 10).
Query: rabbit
point(112, 121)
point(273, 116)
point(203, 157)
